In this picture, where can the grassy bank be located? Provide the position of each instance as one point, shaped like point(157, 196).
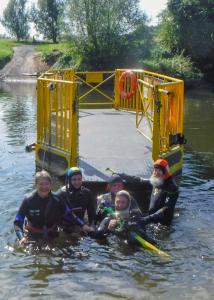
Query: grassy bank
point(67, 55)
point(61, 55)
point(47, 48)
point(178, 66)
point(6, 50)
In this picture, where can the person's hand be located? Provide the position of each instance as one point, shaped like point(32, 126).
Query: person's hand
point(112, 224)
point(144, 221)
point(23, 242)
point(134, 218)
point(87, 228)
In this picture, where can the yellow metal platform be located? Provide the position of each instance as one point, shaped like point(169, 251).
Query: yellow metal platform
point(127, 137)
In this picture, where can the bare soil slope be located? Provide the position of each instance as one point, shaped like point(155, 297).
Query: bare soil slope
point(25, 61)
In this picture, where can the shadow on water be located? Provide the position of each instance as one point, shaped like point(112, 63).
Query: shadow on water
point(108, 270)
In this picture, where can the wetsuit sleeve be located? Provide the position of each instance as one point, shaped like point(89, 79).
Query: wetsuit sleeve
point(135, 207)
point(61, 194)
point(69, 216)
point(91, 211)
point(19, 219)
point(132, 179)
point(165, 214)
point(100, 215)
point(103, 227)
point(98, 205)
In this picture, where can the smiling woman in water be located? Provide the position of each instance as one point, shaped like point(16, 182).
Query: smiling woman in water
point(41, 210)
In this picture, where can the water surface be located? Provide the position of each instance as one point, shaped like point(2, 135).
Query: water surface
point(108, 271)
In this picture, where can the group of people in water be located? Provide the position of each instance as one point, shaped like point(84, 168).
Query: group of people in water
point(72, 209)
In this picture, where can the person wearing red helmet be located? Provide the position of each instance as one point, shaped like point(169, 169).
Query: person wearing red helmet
point(164, 193)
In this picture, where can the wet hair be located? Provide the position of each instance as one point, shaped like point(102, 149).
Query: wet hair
point(125, 194)
point(115, 178)
point(42, 175)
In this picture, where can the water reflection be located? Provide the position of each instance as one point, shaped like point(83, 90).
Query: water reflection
point(199, 125)
point(14, 89)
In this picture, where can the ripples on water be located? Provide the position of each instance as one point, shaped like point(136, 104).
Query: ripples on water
point(85, 268)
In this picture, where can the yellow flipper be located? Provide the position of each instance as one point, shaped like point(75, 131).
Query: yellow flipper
point(145, 244)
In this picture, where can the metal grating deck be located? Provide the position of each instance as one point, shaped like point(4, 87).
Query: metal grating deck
point(109, 138)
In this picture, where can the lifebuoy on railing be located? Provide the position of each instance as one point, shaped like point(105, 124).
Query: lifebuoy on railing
point(133, 84)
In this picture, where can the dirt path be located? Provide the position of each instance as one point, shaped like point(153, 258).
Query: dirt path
point(25, 61)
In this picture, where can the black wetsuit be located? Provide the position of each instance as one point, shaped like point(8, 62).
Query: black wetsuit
point(126, 229)
point(76, 202)
point(162, 200)
point(43, 215)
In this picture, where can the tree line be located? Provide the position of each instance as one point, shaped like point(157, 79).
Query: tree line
point(105, 34)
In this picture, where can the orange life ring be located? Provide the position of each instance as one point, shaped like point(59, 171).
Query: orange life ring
point(133, 84)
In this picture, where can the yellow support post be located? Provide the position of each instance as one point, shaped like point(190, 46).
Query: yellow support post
point(74, 126)
point(156, 129)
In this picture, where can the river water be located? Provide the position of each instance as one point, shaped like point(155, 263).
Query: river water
point(113, 270)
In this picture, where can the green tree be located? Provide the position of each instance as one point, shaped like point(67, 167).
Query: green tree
point(47, 18)
point(188, 26)
point(105, 30)
point(15, 19)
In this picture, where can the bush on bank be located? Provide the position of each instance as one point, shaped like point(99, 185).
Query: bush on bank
point(178, 66)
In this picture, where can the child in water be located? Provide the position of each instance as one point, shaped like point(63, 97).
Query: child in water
point(115, 184)
point(119, 222)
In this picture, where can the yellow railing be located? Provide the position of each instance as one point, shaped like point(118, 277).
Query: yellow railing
point(94, 85)
point(64, 74)
point(157, 104)
point(91, 85)
point(56, 119)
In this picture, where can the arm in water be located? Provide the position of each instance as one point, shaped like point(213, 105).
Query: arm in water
point(161, 208)
point(91, 210)
point(19, 223)
point(70, 216)
point(103, 229)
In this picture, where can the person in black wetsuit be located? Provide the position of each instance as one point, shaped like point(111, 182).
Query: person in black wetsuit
point(41, 210)
point(76, 200)
point(119, 222)
point(164, 194)
point(115, 184)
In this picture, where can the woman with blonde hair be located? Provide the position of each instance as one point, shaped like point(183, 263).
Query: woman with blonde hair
point(40, 211)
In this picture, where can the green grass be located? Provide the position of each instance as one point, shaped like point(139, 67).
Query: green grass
point(60, 56)
point(6, 50)
point(47, 48)
point(178, 66)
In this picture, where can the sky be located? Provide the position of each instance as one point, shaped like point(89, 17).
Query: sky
point(151, 7)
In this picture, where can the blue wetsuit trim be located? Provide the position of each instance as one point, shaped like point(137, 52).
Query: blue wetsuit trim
point(81, 223)
point(19, 218)
point(69, 215)
point(19, 234)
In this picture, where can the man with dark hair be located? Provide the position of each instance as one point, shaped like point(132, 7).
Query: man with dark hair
point(164, 193)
